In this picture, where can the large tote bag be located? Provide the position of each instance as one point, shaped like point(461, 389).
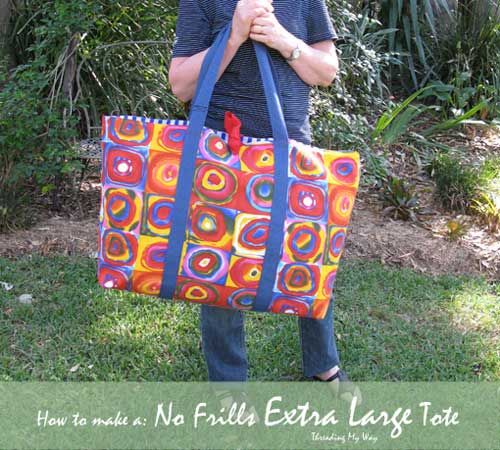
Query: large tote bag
point(256, 226)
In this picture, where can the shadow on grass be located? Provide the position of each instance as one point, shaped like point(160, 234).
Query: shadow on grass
point(391, 324)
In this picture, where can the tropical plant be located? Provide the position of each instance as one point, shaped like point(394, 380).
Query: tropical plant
point(416, 22)
point(400, 198)
point(364, 60)
point(488, 210)
point(409, 120)
point(467, 54)
point(486, 204)
point(341, 115)
point(456, 42)
point(466, 188)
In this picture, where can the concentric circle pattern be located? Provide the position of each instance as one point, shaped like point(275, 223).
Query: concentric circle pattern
point(207, 264)
point(118, 248)
point(307, 200)
point(196, 291)
point(211, 225)
point(171, 138)
point(163, 172)
point(259, 192)
point(304, 242)
point(124, 166)
point(148, 283)
point(341, 203)
point(344, 170)
point(242, 299)
point(228, 219)
point(153, 256)
point(215, 183)
point(113, 277)
point(246, 272)
point(251, 234)
point(214, 148)
point(336, 242)
point(123, 208)
point(307, 164)
point(289, 305)
point(157, 215)
point(131, 133)
point(258, 158)
point(297, 278)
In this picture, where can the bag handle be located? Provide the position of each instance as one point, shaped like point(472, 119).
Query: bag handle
point(204, 90)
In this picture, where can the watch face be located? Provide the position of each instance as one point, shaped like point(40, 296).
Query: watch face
point(295, 53)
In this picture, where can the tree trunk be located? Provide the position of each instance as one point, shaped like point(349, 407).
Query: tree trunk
point(5, 11)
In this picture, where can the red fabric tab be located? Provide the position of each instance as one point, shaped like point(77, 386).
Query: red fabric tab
point(233, 125)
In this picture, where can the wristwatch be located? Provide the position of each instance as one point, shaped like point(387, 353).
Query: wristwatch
point(295, 53)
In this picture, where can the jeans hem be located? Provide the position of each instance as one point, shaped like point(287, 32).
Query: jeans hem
point(310, 374)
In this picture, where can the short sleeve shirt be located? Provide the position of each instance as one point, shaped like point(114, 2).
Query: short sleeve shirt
point(240, 89)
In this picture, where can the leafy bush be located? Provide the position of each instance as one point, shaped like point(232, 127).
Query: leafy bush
point(487, 202)
point(474, 189)
point(364, 64)
point(416, 22)
point(397, 119)
point(34, 147)
point(456, 183)
point(455, 229)
point(77, 60)
point(64, 73)
point(488, 209)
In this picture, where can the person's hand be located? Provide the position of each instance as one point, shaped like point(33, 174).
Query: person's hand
point(267, 29)
point(244, 14)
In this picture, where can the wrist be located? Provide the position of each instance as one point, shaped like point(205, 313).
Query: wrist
point(289, 45)
point(235, 41)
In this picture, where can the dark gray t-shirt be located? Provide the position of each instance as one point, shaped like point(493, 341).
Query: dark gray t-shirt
point(240, 89)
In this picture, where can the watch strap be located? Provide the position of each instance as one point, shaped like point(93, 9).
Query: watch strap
point(294, 54)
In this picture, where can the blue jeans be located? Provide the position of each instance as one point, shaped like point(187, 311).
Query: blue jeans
point(224, 348)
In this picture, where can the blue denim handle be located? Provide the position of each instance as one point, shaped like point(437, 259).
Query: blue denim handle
point(204, 90)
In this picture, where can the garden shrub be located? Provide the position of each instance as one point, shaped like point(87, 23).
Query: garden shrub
point(39, 116)
point(486, 204)
point(465, 188)
point(456, 183)
point(34, 145)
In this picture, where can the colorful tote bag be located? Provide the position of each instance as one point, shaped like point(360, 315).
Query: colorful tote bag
point(194, 214)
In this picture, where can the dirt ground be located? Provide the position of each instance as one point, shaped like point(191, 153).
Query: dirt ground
point(421, 245)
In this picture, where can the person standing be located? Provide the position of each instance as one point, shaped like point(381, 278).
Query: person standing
point(301, 39)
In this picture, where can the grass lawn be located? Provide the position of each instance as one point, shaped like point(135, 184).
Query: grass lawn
point(391, 324)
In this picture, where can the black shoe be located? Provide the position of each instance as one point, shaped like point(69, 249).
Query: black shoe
point(342, 387)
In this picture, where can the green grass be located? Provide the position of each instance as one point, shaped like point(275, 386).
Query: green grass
point(391, 324)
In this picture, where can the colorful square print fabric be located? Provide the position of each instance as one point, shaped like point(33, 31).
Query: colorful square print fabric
point(228, 223)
